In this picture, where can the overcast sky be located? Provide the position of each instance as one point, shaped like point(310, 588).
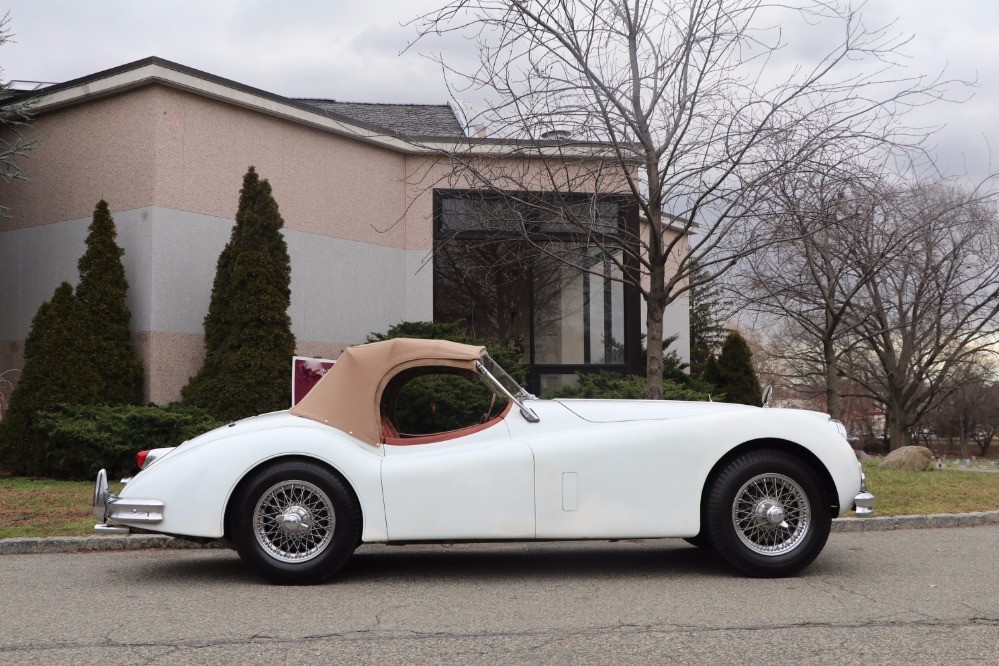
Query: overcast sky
point(350, 50)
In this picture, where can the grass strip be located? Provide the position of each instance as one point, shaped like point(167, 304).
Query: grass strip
point(41, 507)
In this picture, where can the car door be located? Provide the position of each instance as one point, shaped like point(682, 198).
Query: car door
point(474, 486)
point(596, 481)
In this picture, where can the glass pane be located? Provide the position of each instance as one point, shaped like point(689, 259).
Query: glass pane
point(579, 315)
point(583, 217)
point(480, 214)
point(485, 285)
point(551, 383)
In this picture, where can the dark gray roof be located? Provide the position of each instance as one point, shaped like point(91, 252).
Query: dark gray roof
point(405, 119)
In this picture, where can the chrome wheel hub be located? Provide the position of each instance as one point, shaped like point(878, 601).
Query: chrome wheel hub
point(294, 521)
point(771, 514)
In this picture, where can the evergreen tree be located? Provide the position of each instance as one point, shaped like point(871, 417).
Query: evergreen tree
point(58, 369)
point(248, 339)
point(732, 372)
point(102, 290)
point(707, 330)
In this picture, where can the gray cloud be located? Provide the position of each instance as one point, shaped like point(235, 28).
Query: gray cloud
point(350, 50)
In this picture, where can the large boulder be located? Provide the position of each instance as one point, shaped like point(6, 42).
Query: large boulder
point(917, 458)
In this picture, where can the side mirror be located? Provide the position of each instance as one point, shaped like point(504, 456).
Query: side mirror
point(768, 393)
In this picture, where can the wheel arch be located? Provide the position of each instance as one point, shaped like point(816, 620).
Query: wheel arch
point(773, 444)
point(283, 459)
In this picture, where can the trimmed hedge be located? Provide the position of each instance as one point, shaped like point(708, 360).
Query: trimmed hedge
point(81, 439)
point(606, 384)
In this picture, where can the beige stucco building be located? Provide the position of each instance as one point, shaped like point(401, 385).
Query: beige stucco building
point(359, 186)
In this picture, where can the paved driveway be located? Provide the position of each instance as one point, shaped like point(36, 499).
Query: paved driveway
point(916, 596)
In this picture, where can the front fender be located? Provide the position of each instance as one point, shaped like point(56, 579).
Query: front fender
point(195, 483)
point(809, 430)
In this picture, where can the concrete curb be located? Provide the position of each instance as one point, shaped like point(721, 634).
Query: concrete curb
point(47, 545)
point(880, 523)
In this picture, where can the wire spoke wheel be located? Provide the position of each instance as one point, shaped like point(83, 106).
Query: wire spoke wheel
point(294, 521)
point(771, 514)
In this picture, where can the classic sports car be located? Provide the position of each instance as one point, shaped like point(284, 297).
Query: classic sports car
point(296, 492)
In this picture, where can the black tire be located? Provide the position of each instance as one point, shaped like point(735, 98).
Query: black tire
point(770, 486)
point(294, 523)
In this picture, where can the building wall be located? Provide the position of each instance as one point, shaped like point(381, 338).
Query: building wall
point(170, 165)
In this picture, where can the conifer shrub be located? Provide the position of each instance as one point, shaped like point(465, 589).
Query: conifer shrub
point(58, 369)
point(733, 373)
point(248, 338)
point(607, 384)
point(102, 290)
point(84, 438)
point(437, 403)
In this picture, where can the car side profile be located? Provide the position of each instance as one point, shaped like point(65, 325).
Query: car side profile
point(296, 492)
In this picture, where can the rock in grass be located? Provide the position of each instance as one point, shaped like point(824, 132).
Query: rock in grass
point(916, 458)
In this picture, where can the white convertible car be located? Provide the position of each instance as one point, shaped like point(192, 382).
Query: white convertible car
point(296, 492)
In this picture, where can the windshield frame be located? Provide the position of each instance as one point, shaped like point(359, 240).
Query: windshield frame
point(503, 384)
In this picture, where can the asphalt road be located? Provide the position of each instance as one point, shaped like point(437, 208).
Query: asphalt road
point(916, 596)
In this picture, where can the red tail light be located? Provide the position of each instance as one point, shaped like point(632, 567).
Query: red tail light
point(140, 458)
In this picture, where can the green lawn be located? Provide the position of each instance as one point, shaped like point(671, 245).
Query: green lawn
point(899, 493)
point(38, 507)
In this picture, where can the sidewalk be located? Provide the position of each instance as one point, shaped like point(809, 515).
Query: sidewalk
point(78, 544)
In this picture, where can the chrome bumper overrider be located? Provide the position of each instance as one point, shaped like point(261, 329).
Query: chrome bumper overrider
point(863, 503)
point(108, 507)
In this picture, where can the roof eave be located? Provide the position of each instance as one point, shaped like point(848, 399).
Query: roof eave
point(154, 70)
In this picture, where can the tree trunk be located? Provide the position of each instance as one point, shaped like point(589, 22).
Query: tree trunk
point(654, 347)
point(898, 429)
point(832, 391)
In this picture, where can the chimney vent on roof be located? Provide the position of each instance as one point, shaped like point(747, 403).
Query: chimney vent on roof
point(556, 134)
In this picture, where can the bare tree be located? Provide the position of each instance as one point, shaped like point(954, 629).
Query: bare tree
point(970, 412)
point(680, 105)
point(13, 118)
point(932, 309)
point(987, 424)
point(6, 388)
point(805, 287)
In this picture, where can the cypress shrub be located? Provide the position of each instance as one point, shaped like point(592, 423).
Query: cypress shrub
point(102, 290)
point(733, 373)
point(248, 338)
point(58, 368)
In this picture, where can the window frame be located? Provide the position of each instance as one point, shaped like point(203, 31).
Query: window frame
point(627, 222)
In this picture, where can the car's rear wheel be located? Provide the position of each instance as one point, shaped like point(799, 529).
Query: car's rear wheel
point(768, 515)
point(295, 522)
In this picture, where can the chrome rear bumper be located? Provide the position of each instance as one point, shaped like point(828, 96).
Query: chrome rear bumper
point(108, 507)
point(863, 503)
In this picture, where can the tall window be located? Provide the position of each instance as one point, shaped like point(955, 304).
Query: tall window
point(497, 270)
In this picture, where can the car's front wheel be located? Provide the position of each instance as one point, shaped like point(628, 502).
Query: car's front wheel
point(294, 522)
point(768, 515)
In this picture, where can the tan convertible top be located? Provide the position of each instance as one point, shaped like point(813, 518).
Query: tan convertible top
point(348, 397)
